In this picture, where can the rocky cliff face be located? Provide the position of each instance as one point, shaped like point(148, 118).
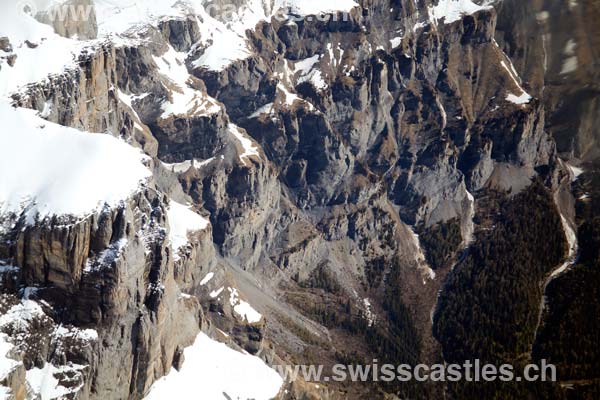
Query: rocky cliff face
point(347, 166)
point(555, 47)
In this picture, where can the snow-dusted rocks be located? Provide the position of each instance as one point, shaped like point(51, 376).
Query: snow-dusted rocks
point(183, 100)
point(43, 381)
point(309, 7)
point(31, 333)
point(7, 364)
point(219, 23)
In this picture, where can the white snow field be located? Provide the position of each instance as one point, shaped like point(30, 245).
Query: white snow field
point(48, 169)
point(211, 370)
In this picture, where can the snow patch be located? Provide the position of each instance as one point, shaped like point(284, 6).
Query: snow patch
point(306, 65)
point(242, 308)
point(187, 164)
point(181, 221)
point(524, 97)
point(20, 316)
point(249, 148)
point(575, 171)
point(266, 109)
point(289, 97)
point(218, 56)
point(419, 255)
point(307, 72)
point(431, 273)
point(420, 259)
point(543, 16)
point(570, 65)
point(127, 100)
point(47, 110)
point(333, 60)
point(216, 293)
point(8, 268)
point(442, 113)
point(4, 392)
point(85, 335)
point(207, 278)
point(395, 42)
point(453, 10)
point(572, 4)
point(470, 225)
point(212, 370)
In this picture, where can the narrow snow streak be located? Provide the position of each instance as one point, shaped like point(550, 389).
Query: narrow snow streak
point(470, 226)
point(207, 278)
point(524, 97)
point(572, 241)
point(249, 148)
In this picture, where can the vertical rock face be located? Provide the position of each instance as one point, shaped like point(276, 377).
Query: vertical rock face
point(348, 167)
point(554, 47)
point(114, 273)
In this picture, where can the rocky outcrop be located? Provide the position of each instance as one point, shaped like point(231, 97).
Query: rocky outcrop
point(114, 272)
point(554, 48)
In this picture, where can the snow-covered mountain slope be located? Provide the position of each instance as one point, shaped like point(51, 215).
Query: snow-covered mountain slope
point(33, 48)
point(212, 370)
point(61, 171)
